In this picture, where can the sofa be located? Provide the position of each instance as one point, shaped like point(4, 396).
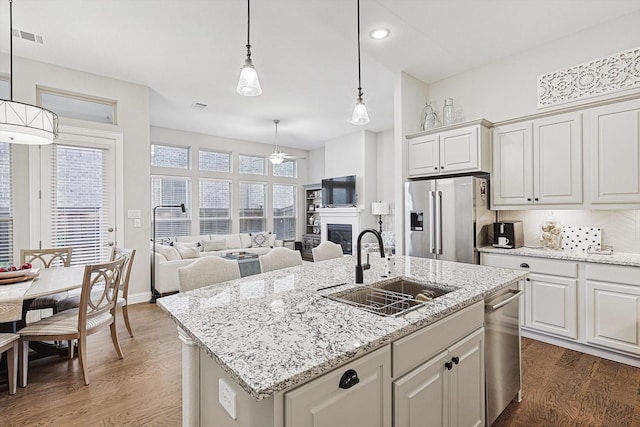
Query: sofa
point(180, 251)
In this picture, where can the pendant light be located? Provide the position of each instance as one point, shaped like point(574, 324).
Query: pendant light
point(24, 123)
point(248, 84)
point(360, 115)
point(277, 157)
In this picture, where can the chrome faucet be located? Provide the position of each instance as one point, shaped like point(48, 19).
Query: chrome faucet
point(359, 267)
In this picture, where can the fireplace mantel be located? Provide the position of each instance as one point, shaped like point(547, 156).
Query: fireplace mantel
point(349, 215)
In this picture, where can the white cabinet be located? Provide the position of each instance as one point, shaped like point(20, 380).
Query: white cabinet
point(447, 390)
point(613, 307)
point(463, 149)
point(324, 403)
point(538, 162)
point(614, 137)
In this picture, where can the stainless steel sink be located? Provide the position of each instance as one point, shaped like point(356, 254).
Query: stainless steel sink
point(393, 297)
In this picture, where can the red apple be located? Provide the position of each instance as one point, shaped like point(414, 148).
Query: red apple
point(3, 270)
point(12, 268)
point(25, 266)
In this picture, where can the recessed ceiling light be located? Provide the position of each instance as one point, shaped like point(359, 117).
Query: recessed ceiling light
point(379, 33)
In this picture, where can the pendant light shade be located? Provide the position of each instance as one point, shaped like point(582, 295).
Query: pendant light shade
point(24, 123)
point(360, 115)
point(248, 84)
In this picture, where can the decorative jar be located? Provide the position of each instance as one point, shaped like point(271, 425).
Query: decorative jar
point(551, 232)
point(448, 113)
point(430, 119)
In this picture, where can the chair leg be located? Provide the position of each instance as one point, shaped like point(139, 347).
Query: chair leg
point(23, 350)
point(12, 367)
point(125, 314)
point(114, 338)
point(82, 355)
point(70, 349)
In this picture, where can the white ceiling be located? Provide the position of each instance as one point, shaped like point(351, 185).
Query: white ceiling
point(190, 51)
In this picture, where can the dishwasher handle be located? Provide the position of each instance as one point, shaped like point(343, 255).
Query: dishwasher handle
point(514, 295)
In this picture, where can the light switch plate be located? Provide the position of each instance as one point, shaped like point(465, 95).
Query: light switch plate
point(136, 223)
point(227, 398)
point(133, 213)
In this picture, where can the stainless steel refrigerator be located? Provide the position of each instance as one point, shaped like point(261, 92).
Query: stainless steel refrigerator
point(448, 218)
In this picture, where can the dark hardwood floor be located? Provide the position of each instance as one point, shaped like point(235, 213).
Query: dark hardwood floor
point(560, 387)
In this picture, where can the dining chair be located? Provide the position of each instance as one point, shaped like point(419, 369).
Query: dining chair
point(46, 258)
point(73, 300)
point(327, 250)
point(96, 311)
point(9, 344)
point(207, 271)
point(278, 258)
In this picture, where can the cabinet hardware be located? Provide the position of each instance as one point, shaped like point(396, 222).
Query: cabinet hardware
point(535, 199)
point(528, 280)
point(524, 265)
point(455, 359)
point(448, 365)
point(528, 199)
point(349, 379)
point(435, 168)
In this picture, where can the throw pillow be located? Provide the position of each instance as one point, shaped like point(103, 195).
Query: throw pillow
point(259, 240)
point(245, 239)
point(187, 252)
point(272, 240)
point(169, 252)
point(213, 245)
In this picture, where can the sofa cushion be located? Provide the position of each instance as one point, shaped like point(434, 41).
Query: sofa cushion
point(187, 252)
point(215, 244)
point(245, 238)
point(191, 239)
point(260, 240)
point(233, 241)
point(169, 252)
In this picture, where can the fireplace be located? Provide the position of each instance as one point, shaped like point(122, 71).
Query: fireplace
point(341, 234)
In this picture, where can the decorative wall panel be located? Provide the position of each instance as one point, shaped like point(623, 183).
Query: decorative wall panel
point(609, 74)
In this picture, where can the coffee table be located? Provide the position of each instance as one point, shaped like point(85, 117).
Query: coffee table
point(248, 263)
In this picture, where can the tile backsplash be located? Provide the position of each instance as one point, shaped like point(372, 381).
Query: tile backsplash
point(620, 228)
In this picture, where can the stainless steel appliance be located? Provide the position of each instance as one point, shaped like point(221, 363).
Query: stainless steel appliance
point(448, 218)
point(508, 234)
point(502, 351)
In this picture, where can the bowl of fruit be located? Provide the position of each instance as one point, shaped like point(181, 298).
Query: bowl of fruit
point(12, 271)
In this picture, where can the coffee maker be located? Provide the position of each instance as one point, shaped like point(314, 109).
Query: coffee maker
point(508, 234)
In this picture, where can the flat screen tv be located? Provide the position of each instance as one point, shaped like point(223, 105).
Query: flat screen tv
point(340, 191)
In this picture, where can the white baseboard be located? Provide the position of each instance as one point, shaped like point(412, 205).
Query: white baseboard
point(139, 298)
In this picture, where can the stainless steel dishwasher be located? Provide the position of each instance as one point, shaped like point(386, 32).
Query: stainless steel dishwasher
point(502, 351)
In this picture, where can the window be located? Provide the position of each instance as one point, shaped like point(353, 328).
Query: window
point(284, 211)
point(252, 165)
point(285, 169)
point(169, 157)
point(215, 207)
point(6, 210)
point(214, 161)
point(252, 209)
point(4, 88)
point(79, 107)
point(171, 191)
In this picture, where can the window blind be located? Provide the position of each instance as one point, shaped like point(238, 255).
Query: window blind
point(284, 211)
point(252, 207)
point(171, 191)
point(215, 206)
point(6, 206)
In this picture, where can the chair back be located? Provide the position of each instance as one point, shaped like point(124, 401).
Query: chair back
point(99, 294)
point(327, 250)
point(46, 257)
point(127, 255)
point(207, 271)
point(278, 258)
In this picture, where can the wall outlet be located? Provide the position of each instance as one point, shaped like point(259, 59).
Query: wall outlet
point(227, 398)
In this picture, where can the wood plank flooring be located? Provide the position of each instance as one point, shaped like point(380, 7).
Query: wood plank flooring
point(560, 387)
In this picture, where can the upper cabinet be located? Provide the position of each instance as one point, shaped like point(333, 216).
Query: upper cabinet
point(459, 149)
point(538, 162)
point(614, 137)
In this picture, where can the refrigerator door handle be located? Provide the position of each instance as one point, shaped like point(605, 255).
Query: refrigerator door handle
point(439, 220)
point(432, 225)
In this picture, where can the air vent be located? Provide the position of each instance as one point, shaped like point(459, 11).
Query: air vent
point(198, 106)
point(25, 35)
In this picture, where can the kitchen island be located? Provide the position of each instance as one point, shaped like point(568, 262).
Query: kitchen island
point(250, 341)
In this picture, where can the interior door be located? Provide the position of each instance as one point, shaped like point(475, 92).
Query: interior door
point(78, 195)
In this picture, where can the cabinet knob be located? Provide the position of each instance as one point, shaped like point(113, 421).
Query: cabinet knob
point(528, 199)
point(448, 365)
point(528, 280)
point(349, 379)
point(455, 359)
point(536, 199)
point(524, 265)
point(441, 167)
point(435, 168)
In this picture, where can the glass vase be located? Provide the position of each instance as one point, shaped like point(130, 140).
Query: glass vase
point(448, 113)
point(430, 119)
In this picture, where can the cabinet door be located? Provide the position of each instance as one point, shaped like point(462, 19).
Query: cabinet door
point(459, 150)
point(423, 156)
point(421, 398)
point(613, 314)
point(557, 159)
point(551, 305)
point(615, 153)
point(512, 180)
point(322, 403)
point(467, 381)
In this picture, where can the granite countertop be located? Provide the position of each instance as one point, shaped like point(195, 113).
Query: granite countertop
point(617, 258)
point(275, 330)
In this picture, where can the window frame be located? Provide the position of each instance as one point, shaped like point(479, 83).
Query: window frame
point(265, 169)
point(188, 149)
point(294, 216)
point(264, 208)
point(202, 219)
point(228, 153)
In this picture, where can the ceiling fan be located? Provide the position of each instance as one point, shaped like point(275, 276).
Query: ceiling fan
point(277, 157)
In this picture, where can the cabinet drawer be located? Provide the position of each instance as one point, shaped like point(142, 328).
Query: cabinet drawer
point(614, 273)
point(536, 265)
point(420, 346)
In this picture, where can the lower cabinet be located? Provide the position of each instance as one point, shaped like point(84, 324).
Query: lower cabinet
point(447, 390)
point(337, 398)
point(551, 305)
